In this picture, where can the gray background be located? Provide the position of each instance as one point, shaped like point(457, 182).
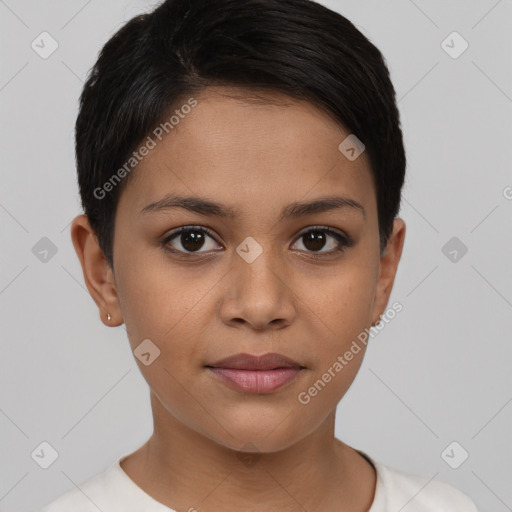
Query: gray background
point(438, 373)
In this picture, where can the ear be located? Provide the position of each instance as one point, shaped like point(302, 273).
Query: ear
point(388, 267)
point(98, 275)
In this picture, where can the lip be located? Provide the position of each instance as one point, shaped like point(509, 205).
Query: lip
point(256, 381)
point(256, 374)
point(270, 361)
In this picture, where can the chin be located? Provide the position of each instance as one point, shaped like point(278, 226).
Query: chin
point(260, 436)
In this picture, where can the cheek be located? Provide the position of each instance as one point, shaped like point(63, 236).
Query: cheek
point(342, 302)
point(340, 311)
point(165, 306)
point(155, 298)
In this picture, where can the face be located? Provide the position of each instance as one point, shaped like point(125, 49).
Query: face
point(257, 272)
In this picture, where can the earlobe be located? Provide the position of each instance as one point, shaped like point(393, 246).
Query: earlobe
point(388, 268)
point(98, 275)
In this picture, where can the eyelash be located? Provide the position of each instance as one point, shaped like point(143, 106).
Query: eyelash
point(343, 240)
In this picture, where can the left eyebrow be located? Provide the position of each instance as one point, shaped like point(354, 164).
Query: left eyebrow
point(320, 205)
point(206, 207)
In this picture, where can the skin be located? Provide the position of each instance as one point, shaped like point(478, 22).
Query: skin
point(257, 158)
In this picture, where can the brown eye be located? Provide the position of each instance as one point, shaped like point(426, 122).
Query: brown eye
point(191, 239)
point(314, 240)
point(318, 238)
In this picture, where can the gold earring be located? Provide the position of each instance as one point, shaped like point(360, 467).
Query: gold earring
point(108, 317)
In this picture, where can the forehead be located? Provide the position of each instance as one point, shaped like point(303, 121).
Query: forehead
point(240, 147)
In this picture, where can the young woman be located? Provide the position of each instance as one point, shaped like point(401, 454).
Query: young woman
point(240, 165)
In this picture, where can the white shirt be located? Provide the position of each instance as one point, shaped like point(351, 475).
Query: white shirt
point(114, 491)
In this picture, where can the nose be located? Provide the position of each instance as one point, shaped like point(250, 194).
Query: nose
point(259, 294)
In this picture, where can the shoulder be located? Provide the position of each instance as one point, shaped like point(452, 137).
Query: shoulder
point(89, 496)
point(420, 493)
point(71, 500)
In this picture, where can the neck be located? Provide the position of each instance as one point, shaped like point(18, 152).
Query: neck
point(186, 470)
